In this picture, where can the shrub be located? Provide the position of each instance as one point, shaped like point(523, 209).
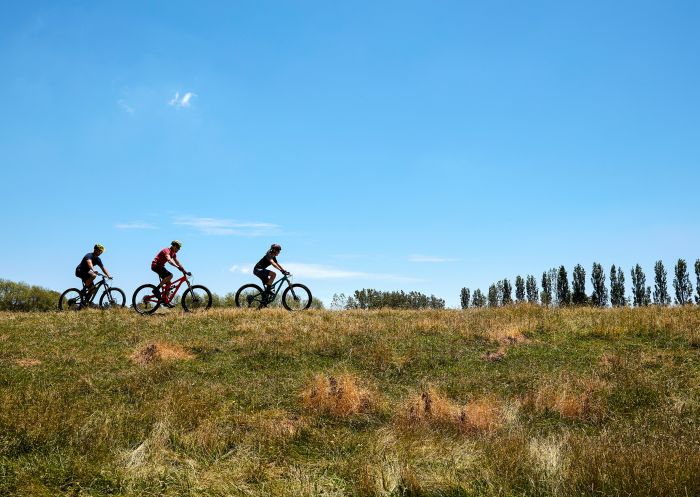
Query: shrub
point(22, 297)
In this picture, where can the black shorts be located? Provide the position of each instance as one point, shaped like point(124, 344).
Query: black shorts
point(161, 271)
point(261, 273)
point(83, 275)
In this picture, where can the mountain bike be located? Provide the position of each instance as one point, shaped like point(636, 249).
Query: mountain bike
point(196, 297)
point(296, 297)
point(74, 299)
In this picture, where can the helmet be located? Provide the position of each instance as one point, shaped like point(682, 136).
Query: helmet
point(176, 243)
point(99, 247)
point(276, 246)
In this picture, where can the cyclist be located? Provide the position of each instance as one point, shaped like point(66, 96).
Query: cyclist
point(168, 255)
point(86, 269)
point(261, 271)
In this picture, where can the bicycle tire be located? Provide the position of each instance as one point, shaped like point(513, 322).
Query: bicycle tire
point(118, 297)
point(296, 304)
point(144, 309)
point(249, 297)
point(192, 302)
point(64, 301)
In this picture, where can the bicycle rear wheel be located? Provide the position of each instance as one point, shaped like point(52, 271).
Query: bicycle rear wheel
point(249, 296)
point(296, 297)
point(196, 298)
point(144, 301)
point(70, 300)
point(113, 298)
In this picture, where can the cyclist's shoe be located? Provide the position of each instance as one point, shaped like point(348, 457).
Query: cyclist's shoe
point(268, 296)
point(156, 293)
point(169, 305)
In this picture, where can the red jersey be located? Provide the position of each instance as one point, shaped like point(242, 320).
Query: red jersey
point(162, 257)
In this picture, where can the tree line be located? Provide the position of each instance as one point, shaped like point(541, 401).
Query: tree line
point(22, 297)
point(368, 298)
point(554, 288)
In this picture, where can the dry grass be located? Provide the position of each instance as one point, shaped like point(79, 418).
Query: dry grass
point(431, 408)
point(160, 351)
point(339, 396)
point(568, 402)
point(28, 363)
point(581, 399)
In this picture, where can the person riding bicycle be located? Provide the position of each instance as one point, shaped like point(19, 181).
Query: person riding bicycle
point(86, 269)
point(167, 255)
point(261, 271)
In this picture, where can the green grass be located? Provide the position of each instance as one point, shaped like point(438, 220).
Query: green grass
point(577, 402)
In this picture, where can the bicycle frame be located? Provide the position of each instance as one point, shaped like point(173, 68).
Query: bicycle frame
point(98, 285)
point(168, 294)
point(277, 285)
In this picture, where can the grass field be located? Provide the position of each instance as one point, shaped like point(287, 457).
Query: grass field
point(512, 401)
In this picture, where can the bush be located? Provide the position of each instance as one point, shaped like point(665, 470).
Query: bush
point(22, 297)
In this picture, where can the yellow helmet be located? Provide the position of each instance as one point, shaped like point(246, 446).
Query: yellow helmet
point(100, 247)
point(176, 243)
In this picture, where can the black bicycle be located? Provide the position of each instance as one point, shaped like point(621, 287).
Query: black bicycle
point(74, 299)
point(296, 297)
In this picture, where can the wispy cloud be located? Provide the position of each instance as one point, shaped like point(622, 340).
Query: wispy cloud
point(125, 106)
point(214, 226)
point(429, 258)
point(346, 256)
point(322, 272)
point(136, 225)
point(184, 101)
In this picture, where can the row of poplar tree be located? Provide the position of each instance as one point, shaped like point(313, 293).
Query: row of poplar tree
point(555, 289)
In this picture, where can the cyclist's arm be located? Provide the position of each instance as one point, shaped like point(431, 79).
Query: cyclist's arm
point(173, 261)
point(278, 266)
point(105, 271)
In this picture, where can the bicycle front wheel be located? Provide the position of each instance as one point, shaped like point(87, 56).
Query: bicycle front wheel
point(70, 300)
point(196, 298)
point(144, 301)
point(296, 297)
point(249, 297)
point(112, 298)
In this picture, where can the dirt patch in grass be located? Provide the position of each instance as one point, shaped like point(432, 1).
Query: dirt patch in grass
point(496, 356)
point(160, 351)
point(339, 396)
point(28, 363)
point(507, 335)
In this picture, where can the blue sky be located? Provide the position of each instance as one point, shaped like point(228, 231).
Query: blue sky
point(395, 145)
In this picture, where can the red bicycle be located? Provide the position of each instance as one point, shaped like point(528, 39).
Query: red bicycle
point(196, 297)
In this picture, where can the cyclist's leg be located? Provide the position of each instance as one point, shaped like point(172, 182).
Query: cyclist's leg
point(270, 279)
point(88, 278)
point(164, 275)
point(266, 276)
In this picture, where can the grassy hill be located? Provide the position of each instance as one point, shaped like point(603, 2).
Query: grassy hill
point(514, 401)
